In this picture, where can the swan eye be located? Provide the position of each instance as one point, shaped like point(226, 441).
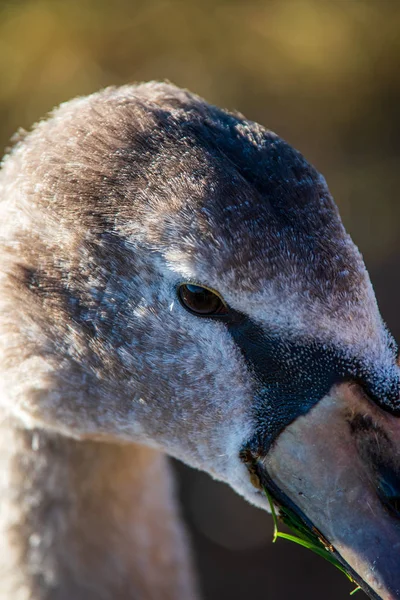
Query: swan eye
point(201, 301)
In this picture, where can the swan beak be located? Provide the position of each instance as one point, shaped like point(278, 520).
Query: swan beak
point(338, 468)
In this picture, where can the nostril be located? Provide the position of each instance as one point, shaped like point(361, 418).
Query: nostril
point(389, 490)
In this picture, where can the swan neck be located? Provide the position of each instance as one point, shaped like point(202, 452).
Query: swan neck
point(88, 520)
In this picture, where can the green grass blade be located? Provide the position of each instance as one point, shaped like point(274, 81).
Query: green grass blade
point(357, 589)
point(304, 537)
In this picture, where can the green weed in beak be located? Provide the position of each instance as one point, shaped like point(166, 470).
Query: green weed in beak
point(304, 537)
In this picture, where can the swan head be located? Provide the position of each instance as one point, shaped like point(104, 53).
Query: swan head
point(178, 276)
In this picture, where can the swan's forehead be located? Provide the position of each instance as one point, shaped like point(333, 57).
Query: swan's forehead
point(282, 258)
point(243, 212)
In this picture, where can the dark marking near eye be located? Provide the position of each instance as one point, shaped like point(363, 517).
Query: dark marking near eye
point(291, 376)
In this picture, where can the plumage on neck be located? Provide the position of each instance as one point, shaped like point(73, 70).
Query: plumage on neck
point(88, 520)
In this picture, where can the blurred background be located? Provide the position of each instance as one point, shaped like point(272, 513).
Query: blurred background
point(325, 75)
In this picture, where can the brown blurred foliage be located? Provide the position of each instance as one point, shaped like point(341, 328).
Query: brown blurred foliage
point(324, 74)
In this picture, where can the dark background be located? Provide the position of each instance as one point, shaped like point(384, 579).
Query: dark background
point(325, 75)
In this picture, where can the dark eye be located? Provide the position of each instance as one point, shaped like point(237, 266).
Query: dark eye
point(201, 301)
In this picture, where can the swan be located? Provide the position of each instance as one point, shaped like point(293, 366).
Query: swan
point(176, 280)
